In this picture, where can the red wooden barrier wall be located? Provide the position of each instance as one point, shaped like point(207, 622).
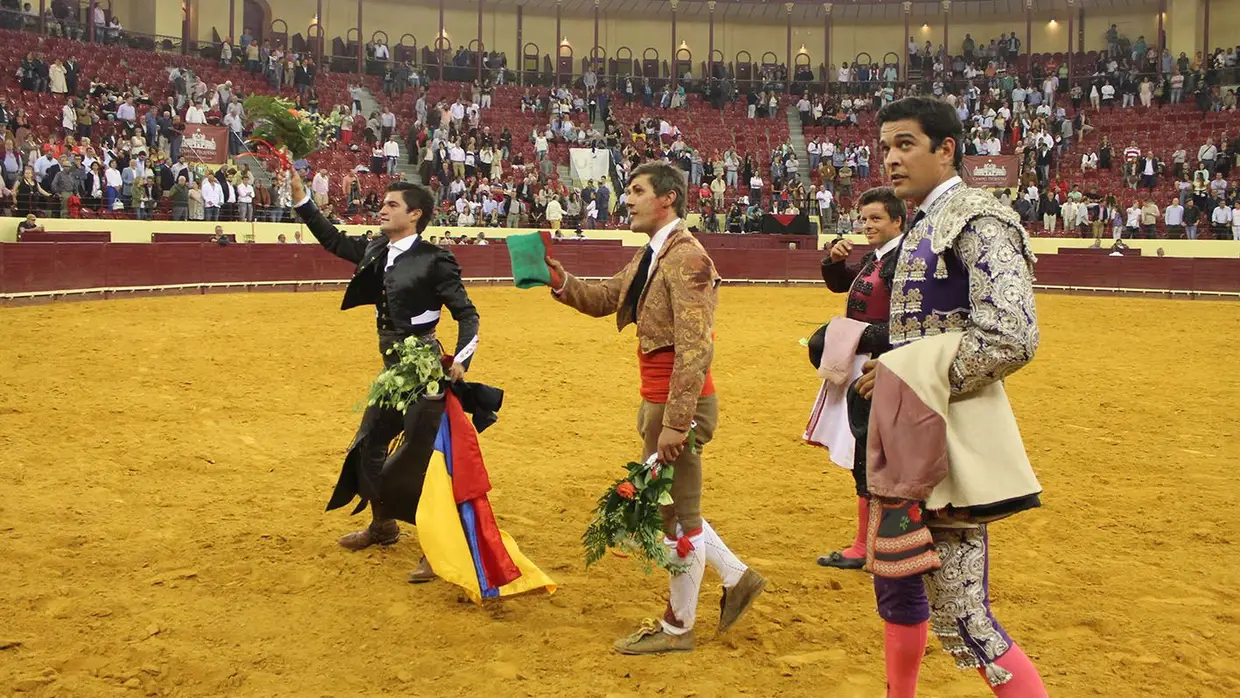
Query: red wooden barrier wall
point(52, 266)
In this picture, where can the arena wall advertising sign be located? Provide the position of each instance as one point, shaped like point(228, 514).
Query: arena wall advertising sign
point(206, 143)
point(991, 170)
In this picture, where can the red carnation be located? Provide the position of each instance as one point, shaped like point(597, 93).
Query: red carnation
point(626, 490)
point(914, 513)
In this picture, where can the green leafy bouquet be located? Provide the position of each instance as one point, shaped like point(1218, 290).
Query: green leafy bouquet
point(418, 373)
point(627, 517)
point(279, 125)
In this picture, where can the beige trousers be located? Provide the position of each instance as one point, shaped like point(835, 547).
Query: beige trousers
point(686, 508)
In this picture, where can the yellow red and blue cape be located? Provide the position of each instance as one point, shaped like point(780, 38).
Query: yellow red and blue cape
point(456, 525)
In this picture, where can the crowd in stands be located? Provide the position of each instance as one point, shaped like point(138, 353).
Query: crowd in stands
point(85, 141)
point(81, 143)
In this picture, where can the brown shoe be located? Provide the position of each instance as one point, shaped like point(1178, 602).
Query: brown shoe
point(423, 573)
point(739, 598)
point(384, 532)
point(651, 638)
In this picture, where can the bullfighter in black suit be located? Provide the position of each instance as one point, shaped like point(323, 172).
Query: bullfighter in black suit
point(408, 281)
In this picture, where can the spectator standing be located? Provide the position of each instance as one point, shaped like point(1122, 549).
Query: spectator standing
point(1192, 216)
point(1221, 219)
point(1149, 219)
point(245, 200)
point(1173, 218)
point(1207, 154)
point(1049, 208)
point(554, 213)
point(212, 198)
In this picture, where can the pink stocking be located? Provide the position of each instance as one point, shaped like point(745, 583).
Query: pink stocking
point(1025, 681)
point(857, 550)
point(903, 648)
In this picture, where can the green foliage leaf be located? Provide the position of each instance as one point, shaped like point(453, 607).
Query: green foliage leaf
point(417, 373)
point(279, 122)
point(633, 527)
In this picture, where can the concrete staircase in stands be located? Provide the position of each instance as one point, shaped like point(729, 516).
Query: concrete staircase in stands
point(796, 136)
point(370, 104)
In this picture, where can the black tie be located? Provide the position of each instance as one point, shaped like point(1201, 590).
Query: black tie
point(917, 218)
point(639, 281)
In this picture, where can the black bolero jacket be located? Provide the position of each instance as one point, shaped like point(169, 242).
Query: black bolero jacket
point(422, 280)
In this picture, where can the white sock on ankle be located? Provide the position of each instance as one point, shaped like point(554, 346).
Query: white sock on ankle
point(727, 565)
point(685, 587)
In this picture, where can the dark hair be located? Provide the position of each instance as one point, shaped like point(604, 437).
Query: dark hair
point(665, 178)
point(416, 196)
point(937, 120)
point(887, 197)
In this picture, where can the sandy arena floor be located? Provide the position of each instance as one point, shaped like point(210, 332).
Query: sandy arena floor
point(165, 463)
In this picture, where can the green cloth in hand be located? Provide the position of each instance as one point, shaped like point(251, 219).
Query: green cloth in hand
point(528, 253)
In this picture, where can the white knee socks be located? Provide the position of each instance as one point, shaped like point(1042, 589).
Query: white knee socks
point(721, 559)
point(682, 603)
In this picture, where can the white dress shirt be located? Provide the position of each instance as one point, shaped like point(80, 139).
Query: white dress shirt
point(657, 241)
point(887, 247)
point(399, 247)
point(938, 191)
point(212, 193)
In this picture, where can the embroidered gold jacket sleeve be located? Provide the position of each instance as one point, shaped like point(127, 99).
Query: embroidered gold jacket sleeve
point(598, 299)
point(690, 278)
point(1002, 333)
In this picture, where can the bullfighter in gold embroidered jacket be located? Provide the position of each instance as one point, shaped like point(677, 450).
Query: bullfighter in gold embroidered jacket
point(669, 291)
point(964, 268)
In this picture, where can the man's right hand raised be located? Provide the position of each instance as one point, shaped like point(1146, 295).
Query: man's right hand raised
point(840, 250)
point(297, 187)
point(558, 275)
